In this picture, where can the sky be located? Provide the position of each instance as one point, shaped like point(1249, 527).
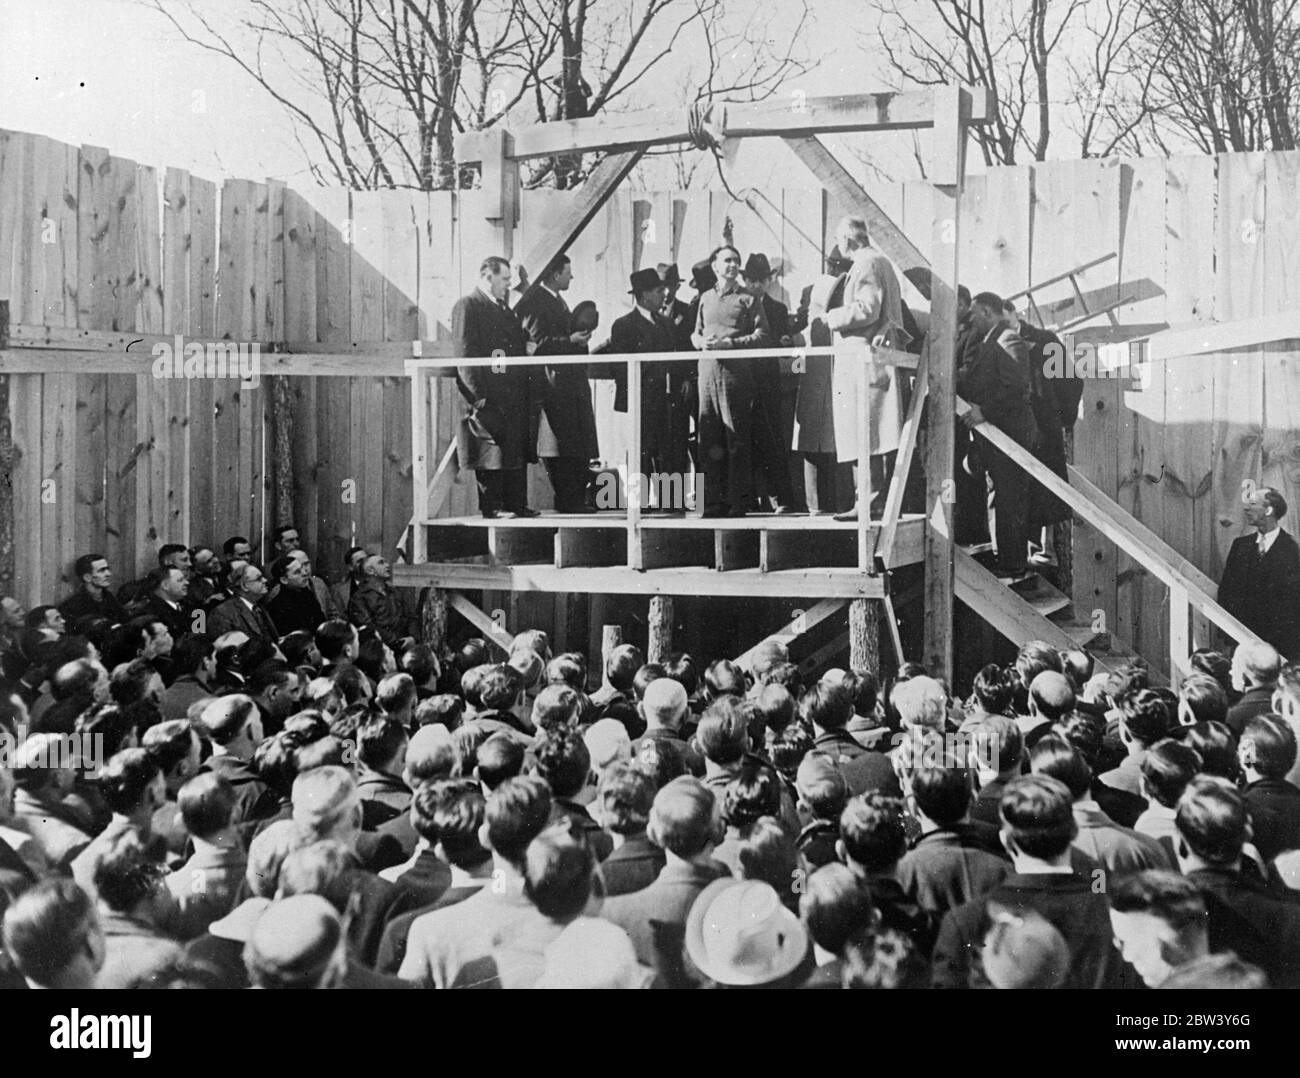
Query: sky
point(116, 74)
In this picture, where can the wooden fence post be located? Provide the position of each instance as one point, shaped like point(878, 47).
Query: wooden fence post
point(7, 567)
point(660, 645)
point(864, 635)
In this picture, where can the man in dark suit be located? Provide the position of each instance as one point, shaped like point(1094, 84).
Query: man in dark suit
point(1038, 828)
point(682, 824)
point(645, 330)
point(626, 797)
point(995, 382)
point(1267, 752)
point(1055, 404)
point(243, 612)
point(1254, 671)
point(96, 598)
point(775, 388)
point(566, 440)
point(493, 435)
point(683, 388)
point(1259, 922)
point(168, 589)
point(1261, 578)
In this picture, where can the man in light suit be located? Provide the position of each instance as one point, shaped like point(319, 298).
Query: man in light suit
point(872, 310)
point(494, 428)
point(1261, 578)
point(243, 611)
point(566, 440)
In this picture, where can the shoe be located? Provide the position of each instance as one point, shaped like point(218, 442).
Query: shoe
point(850, 516)
point(783, 511)
point(524, 512)
point(498, 514)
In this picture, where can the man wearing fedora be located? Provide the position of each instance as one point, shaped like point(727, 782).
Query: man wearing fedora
point(493, 432)
point(644, 329)
point(730, 319)
point(775, 385)
point(566, 421)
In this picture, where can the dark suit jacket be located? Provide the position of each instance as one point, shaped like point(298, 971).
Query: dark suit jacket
point(1068, 901)
point(634, 865)
point(234, 615)
point(1000, 386)
point(947, 868)
point(561, 393)
point(1261, 925)
point(427, 880)
point(177, 621)
point(253, 799)
point(392, 948)
point(1274, 815)
point(82, 605)
point(664, 416)
point(655, 918)
point(1264, 593)
point(480, 327)
point(1257, 701)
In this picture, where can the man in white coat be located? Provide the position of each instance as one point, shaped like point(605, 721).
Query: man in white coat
point(872, 310)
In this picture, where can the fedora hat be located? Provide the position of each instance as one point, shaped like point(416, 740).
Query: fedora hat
point(739, 933)
point(643, 280)
point(702, 276)
point(668, 273)
point(757, 267)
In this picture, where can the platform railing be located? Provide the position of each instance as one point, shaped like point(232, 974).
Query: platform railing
point(433, 482)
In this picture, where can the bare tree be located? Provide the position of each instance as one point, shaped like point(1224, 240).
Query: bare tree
point(1225, 74)
point(379, 89)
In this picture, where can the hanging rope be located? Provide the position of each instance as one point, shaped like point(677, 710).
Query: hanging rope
point(703, 138)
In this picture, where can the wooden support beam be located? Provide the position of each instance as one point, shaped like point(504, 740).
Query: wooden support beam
point(557, 239)
point(7, 564)
point(282, 449)
point(499, 179)
point(843, 188)
point(864, 635)
point(891, 621)
point(433, 621)
point(1005, 610)
point(951, 110)
point(824, 654)
point(484, 624)
point(1224, 336)
point(841, 113)
point(803, 622)
point(660, 644)
point(903, 463)
point(611, 637)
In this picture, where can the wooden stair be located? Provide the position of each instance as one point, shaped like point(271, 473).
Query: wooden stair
point(1037, 612)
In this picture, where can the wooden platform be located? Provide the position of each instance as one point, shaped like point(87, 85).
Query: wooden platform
point(759, 555)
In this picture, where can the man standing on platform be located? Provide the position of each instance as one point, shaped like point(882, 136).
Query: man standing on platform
point(683, 387)
point(1261, 579)
point(776, 386)
point(995, 382)
point(566, 439)
point(493, 432)
point(645, 330)
point(872, 310)
point(729, 318)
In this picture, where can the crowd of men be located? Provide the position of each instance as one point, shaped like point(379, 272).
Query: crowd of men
point(740, 420)
point(226, 776)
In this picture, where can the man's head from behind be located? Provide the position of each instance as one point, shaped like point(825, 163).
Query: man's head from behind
point(233, 722)
point(1160, 923)
point(557, 707)
point(1037, 819)
point(559, 870)
point(449, 815)
point(1267, 749)
point(872, 833)
point(52, 935)
point(325, 804)
point(516, 813)
point(625, 797)
point(1213, 825)
point(664, 705)
point(683, 820)
point(921, 703)
point(131, 783)
point(1255, 664)
point(723, 734)
point(298, 942)
point(207, 803)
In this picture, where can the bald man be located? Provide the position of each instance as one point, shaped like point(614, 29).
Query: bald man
point(375, 603)
point(297, 943)
point(1050, 697)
